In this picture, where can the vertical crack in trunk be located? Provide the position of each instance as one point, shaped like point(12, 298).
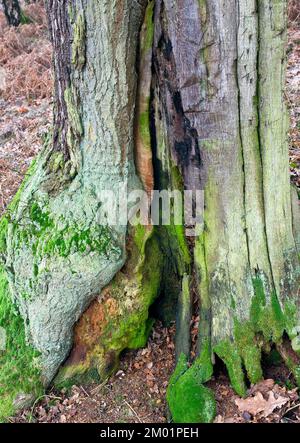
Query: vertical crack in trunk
point(177, 164)
point(240, 129)
point(182, 136)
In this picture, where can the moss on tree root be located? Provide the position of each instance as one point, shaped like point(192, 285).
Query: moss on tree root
point(190, 401)
point(47, 238)
point(19, 362)
point(267, 325)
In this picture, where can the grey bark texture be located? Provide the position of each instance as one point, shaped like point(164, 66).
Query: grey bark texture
point(95, 52)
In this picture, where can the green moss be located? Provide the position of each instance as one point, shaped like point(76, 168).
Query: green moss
point(46, 239)
point(78, 45)
point(229, 353)
point(180, 369)
point(134, 326)
point(141, 335)
point(203, 10)
point(19, 367)
point(296, 372)
point(139, 237)
point(176, 178)
point(15, 201)
point(266, 325)
point(73, 114)
point(19, 363)
point(290, 314)
point(266, 318)
point(3, 228)
point(56, 162)
point(249, 350)
point(205, 305)
point(146, 41)
point(176, 264)
point(148, 35)
point(173, 239)
point(4, 221)
point(24, 19)
point(69, 376)
point(144, 126)
point(188, 399)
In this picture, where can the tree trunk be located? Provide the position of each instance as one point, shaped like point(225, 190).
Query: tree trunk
point(206, 111)
point(12, 12)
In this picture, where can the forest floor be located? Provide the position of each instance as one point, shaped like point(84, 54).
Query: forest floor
point(136, 393)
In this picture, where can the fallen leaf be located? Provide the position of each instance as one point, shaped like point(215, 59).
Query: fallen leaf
point(253, 405)
point(274, 403)
point(258, 404)
point(264, 386)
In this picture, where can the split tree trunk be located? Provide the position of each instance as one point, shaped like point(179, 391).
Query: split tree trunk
point(208, 114)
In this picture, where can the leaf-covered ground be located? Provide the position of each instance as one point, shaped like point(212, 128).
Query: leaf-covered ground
point(137, 392)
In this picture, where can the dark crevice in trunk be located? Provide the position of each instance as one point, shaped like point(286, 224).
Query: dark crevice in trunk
point(289, 357)
point(183, 153)
point(153, 138)
point(183, 138)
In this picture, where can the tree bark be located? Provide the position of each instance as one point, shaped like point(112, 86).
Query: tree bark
point(206, 111)
point(12, 12)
